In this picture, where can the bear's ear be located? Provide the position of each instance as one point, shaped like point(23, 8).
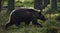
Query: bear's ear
point(39, 10)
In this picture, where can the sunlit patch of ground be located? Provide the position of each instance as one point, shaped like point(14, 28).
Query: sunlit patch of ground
point(52, 15)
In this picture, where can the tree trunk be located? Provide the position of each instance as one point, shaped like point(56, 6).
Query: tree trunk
point(10, 6)
point(0, 5)
point(38, 4)
point(54, 4)
point(58, 0)
point(46, 2)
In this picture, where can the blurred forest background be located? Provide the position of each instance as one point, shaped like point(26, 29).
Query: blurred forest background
point(50, 8)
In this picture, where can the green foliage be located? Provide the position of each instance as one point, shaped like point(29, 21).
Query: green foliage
point(24, 4)
point(3, 17)
point(58, 18)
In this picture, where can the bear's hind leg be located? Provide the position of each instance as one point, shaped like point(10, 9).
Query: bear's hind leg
point(17, 22)
point(9, 24)
point(27, 22)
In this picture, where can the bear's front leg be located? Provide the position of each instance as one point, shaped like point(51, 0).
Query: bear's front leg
point(34, 22)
